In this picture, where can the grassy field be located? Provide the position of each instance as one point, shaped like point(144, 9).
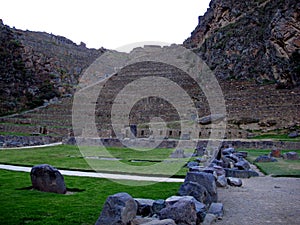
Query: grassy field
point(14, 133)
point(21, 205)
point(276, 137)
point(287, 168)
point(153, 162)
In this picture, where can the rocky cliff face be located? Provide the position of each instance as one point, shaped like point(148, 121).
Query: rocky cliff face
point(36, 67)
point(251, 40)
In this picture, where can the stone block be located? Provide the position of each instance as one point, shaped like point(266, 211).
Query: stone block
point(48, 179)
point(291, 156)
point(216, 209)
point(194, 189)
point(182, 212)
point(240, 173)
point(201, 208)
point(161, 222)
point(158, 205)
point(119, 209)
point(221, 181)
point(236, 182)
point(242, 165)
point(265, 158)
point(144, 206)
point(205, 179)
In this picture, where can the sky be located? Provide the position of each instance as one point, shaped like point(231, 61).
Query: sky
point(107, 23)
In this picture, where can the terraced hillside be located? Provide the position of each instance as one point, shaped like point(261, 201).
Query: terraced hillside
point(53, 120)
point(252, 46)
point(251, 108)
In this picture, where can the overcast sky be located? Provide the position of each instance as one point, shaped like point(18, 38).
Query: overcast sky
point(107, 23)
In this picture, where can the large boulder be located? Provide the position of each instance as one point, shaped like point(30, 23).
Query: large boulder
point(196, 190)
point(242, 165)
point(291, 156)
point(216, 209)
point(233, 181)
point(207, 180)
point(241, 173)
point(183, 212)
point(209, 219)
point(158, 205)
point(221, 181)
point(228, 151)
point(48, 179)
point(192, 164)
point(201, 208)
point(119, 209)
point(161, 222)
point(151, 221)
point(144, 206)
point(233, 157)
point(294, 134)
point(265, 158)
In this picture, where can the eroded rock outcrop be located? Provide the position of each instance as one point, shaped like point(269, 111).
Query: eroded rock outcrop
point(248, 40)
point(37, 66)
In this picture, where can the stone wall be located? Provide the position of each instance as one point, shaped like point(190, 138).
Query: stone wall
point(21, 141)
point(244, 144)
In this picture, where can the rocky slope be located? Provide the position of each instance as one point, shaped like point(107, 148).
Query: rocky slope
point(251, 40)
point(36, 67)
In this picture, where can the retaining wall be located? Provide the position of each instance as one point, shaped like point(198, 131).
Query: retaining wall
point(169, 143)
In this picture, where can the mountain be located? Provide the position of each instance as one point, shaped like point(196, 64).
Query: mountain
point(36, 67)
point(251, 40)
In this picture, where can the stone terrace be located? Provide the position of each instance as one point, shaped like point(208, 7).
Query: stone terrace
point(56, 118)
point(249, 106)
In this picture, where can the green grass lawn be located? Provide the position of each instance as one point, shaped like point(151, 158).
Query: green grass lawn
point(287, 168)
point(14, 133)
point(21, 205)
point(276, 137)
point(69, 157)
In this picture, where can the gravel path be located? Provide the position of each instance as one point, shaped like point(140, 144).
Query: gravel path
point(262, 200)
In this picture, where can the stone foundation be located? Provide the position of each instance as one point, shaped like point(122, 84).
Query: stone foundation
point(172, 143)
point(21, 141)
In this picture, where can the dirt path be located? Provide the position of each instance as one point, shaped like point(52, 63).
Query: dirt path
point(262, 200)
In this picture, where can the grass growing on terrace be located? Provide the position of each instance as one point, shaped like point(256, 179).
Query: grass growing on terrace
point(69, 157)
point(21, 205)
point(14, 133)
point(285, 168)
point(276, 137)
